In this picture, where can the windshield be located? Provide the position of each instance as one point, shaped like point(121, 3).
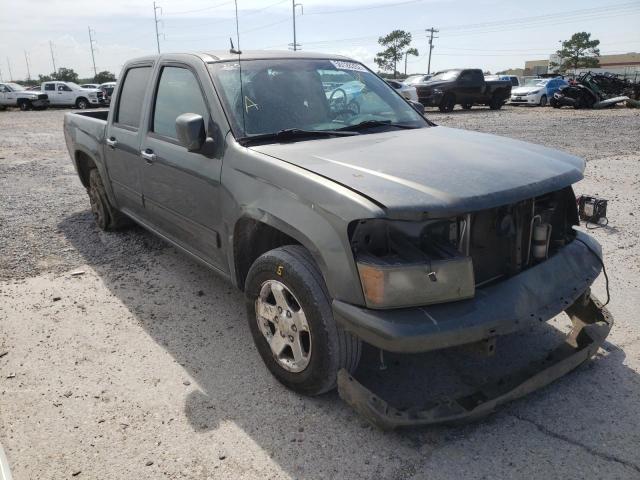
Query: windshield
point(416, 79)
point(15, 87)
point(73, 86)
point(448, 75)
point(535, 82)
point(318, 95)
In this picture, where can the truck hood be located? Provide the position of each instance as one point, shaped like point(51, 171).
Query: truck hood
point(434, 172)
point(526, 90)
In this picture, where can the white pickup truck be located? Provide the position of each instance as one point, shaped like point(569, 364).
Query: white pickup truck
point(14, 95)
point(72, 95)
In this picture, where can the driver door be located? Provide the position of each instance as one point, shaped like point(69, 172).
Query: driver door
point(64, 94)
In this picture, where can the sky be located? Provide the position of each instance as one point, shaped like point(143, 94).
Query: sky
point(488, 34)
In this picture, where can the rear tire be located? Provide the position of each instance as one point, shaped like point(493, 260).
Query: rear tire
point(447, 103)
point(326, 347)
point(106, 216)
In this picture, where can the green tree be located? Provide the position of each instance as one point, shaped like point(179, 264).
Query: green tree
point(396, 45)
point(104, 76)
point(578, 52)
point(65, 75)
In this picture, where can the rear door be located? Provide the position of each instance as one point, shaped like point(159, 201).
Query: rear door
point(122, 149)
point(50, 90)
point(181, 188)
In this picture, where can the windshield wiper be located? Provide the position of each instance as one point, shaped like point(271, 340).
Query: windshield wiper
point(374, 123)
point(295, 133)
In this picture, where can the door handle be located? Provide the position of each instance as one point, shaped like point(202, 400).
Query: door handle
point(111, 142)
point(148, 156)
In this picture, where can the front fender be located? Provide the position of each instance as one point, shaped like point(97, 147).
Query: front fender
point(307, 207)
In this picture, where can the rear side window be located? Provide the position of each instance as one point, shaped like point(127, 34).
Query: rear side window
point(178, 93)
point(132, 94)
point(49, 86)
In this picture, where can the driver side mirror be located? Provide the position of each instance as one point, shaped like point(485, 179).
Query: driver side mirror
point(417, 106)
point(191, 131)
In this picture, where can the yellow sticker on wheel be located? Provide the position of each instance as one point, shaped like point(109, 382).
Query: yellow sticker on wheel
point(280, 270)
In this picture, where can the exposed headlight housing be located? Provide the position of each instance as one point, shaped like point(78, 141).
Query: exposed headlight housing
point(408, 264)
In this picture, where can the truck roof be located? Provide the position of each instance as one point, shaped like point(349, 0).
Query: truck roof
point(225, 55)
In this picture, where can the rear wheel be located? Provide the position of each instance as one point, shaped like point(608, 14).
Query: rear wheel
point(106, 216)
point(447, 104)
point(291, 321)
point(543, 101)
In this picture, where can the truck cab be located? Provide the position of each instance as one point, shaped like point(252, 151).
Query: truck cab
point(70, 94)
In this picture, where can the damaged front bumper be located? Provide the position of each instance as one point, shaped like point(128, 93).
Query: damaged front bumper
point(591, 325)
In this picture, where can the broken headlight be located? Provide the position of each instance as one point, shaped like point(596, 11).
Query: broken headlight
point(408, 264)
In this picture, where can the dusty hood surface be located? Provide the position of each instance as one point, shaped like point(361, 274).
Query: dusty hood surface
point(434, 171)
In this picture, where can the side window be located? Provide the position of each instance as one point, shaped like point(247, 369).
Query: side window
point(477, 76)
point(3, 89)
point(131, 98)
point(50, 86)
point(465, 77)
point(178, 93)
point(64, 88)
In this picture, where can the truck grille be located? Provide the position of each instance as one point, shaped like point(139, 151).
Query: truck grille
point(43, 96)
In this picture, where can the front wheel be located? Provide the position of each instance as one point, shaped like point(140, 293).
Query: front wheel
point(447, 104)
point(291, 321)
point(496, 103)
point(543, 101)
point(25, 105)
point(82, 103)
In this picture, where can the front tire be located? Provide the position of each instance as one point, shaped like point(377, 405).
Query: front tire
point(291, 321)
point(447, 104)
point(82, 103)
point(543, 101)
point(25, 105)
point(496, 103)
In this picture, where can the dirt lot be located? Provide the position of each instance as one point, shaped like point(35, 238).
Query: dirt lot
point(143, 367)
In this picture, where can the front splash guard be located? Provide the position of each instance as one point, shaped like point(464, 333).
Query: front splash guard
point(591, 325)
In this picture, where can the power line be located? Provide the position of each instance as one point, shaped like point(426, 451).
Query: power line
point(185, 12)
point(295, 44)
point(431, 37)
point(155, 17)
point(53, 60)
point(358, 9)
point(26, 59)
point(91, 45)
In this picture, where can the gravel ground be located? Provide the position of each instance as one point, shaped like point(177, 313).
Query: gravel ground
point(142, 366)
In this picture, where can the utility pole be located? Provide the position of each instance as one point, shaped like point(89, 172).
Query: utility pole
point(1, 79)
point(431, 37)
point(9, 65)
point(155, 17)
point(93, 55)
point(295, 44)
point(26, 59)
point(53, 60)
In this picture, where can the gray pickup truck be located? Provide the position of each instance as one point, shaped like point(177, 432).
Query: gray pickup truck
point(345, 216)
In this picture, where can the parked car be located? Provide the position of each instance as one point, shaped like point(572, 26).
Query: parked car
point(14, 95)
point(91, 86)
point(407, 91)
point(537, 91)
point(345, 227)
point(72, 95)
point(414, 79)
point(466, 87)
point(515, 81)
point(107, 90)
